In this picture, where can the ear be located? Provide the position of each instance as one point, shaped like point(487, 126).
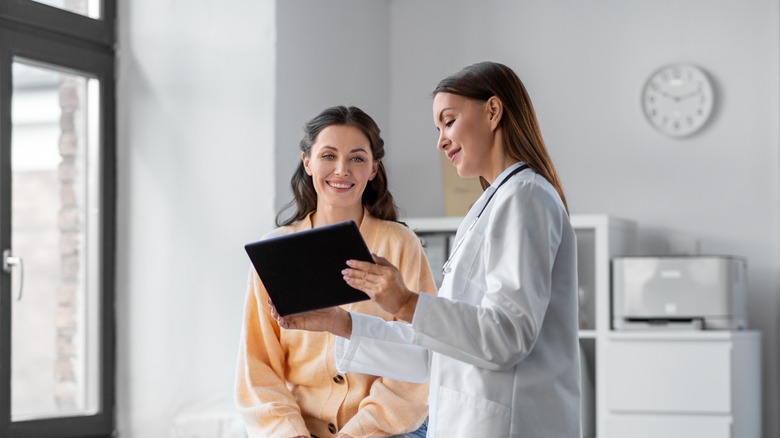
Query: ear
point(495, 110)
point(305, 160)
point(374, 171)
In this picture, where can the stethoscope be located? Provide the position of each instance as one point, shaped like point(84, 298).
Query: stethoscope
point(448, 264)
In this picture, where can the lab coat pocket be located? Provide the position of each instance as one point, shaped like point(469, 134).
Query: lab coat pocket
point(465, 269)
point(461, 414)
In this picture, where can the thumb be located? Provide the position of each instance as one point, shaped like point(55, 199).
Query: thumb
point(381, 261)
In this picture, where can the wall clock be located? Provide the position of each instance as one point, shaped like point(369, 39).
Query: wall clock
point(677, 99)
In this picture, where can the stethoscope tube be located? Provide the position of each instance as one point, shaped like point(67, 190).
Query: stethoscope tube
point(448, 264)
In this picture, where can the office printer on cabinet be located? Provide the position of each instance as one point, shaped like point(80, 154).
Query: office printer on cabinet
point(679, 292)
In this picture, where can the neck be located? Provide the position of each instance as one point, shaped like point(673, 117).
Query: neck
point(326, 215)
point(499, 160)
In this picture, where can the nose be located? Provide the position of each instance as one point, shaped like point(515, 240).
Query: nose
point(342, 167)
point(443, 141)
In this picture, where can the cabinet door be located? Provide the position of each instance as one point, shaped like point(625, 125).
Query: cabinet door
point(669, 376)
point(655, 426)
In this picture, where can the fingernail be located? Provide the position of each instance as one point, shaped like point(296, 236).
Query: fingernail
point(349, 262)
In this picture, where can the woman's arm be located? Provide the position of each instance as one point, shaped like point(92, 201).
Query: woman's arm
point(261, 395)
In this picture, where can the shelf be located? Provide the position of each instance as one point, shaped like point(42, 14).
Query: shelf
point(434, 224)
point(681, 335)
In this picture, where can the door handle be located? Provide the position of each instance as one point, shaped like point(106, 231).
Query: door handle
point(9, 262)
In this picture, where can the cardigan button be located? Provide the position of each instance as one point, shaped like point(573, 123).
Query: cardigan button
point(332, 428)
point(338, 378)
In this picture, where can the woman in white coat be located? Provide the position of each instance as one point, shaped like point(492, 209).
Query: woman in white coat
point(499, 343)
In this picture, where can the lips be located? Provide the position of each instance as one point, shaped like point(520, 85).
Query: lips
point(341, 185)
point(451, 153)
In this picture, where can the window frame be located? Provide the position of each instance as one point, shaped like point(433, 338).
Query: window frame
point(56, 20)
point(61, 38)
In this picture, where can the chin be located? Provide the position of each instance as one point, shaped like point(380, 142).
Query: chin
point(463, 173)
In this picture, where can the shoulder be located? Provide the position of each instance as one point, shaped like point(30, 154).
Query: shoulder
point(395, 230)
point(281, 231)
point(531, 188)
point(392, 232)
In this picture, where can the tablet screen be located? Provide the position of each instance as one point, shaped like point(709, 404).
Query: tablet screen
point(302, 271)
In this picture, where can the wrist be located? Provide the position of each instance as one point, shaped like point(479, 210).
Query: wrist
point(406, 311)
point(343, 326)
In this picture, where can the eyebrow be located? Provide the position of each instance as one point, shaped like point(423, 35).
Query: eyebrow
point(352, 151)
point(441, 113)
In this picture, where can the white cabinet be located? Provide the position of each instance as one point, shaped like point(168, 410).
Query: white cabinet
point(686, 384)
point(658, 426)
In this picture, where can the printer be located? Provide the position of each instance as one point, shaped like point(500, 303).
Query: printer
point(679, 292)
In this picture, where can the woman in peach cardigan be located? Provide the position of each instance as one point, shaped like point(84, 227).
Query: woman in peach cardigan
point(287, 384)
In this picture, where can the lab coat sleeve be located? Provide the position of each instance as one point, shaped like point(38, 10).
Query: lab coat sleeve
point(394, 406)
point(382, 348)
point(520, 243)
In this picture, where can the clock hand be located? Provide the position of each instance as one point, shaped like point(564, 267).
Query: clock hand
point(687, 95)
point(666, 95)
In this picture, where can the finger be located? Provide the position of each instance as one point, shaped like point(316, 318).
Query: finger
point(360, 265)
point(362, 279)
point(359, 284)
point(276, 316)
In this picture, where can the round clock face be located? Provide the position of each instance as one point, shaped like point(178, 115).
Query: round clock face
point(678, 99)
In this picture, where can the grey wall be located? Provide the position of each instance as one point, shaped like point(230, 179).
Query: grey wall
point(584, 64)
point(196, 172)
point(328, 53)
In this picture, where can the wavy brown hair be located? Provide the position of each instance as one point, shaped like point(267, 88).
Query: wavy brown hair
point(377, 198)
point(522, 137)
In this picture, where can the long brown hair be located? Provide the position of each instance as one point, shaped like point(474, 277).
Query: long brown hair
point(377, 199)
point(522, 137)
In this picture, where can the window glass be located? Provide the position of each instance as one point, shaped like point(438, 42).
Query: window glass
point(55, 231)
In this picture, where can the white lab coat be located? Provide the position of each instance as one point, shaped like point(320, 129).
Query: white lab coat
point(499, 344)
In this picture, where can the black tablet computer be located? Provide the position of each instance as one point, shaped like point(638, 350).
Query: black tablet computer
point(302, 271)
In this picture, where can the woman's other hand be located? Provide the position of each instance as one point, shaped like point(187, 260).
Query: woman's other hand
point(384, 284)
point(333, 319)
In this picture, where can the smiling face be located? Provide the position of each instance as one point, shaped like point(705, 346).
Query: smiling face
point(466, 133)
point(341, 165)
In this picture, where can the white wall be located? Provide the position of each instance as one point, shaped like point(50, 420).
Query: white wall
point(195, 177)
point(328, 53)
point(584, 64)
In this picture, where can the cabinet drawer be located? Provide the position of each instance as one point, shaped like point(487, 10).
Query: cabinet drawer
point(669, 377)
point(655, 426)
